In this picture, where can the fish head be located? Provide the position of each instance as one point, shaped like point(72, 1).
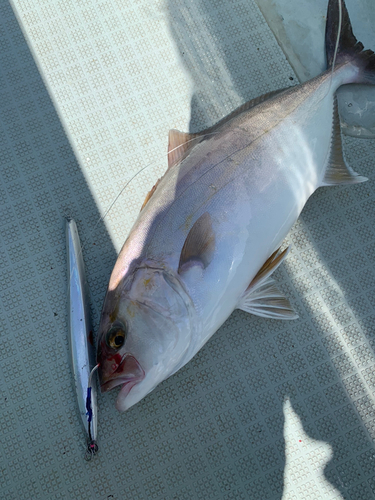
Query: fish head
point(145, 329)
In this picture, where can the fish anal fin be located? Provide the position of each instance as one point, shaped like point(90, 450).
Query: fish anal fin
point(199, 245)
point(337, 171)
point(267, 301)
point(262, 297)
point(179, 145)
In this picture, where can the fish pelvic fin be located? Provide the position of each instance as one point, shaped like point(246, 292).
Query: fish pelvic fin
point(338, 172)
point(348, 48)
point(262, 297)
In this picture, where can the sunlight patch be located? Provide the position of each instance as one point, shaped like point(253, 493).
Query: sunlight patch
point(305, 459)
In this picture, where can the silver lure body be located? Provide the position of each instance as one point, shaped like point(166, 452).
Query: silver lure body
point(80, 333)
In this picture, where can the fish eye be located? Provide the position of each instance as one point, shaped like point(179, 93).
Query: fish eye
point(116, 337)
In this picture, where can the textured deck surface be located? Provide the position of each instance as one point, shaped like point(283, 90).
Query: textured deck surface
point(266, 410)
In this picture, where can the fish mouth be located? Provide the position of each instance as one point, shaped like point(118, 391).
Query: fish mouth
point(128, 373)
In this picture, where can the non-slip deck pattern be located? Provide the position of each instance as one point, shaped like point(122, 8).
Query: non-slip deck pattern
point(267, 409)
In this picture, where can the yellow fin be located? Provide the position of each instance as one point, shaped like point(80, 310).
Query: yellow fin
point(271, 264)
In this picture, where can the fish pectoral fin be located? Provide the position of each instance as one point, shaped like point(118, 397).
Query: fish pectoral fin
point(267, 301)
point(262, 297)
point(199, 245)
point(338, 171)
point(179, 145)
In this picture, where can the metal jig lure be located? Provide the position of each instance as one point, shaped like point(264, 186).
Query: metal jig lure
point(81, 338)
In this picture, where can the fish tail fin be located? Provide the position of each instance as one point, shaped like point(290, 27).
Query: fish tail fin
point(343, 47)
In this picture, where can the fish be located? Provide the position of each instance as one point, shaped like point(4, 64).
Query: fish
point(81, 342)
point(210, 232)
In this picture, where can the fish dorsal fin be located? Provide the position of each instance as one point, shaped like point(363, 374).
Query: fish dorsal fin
point(337, 171)
point(181, 143)
point(179, 146)
point(199, 245)
point(262, 297)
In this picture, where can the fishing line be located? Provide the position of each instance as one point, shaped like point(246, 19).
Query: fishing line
point(335, 51)
point(336, 45)
point(92, 447)
point(101, 218)
point(338, 38)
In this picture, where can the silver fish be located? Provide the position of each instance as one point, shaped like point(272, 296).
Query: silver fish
point(81, 342)
point(208, 236)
